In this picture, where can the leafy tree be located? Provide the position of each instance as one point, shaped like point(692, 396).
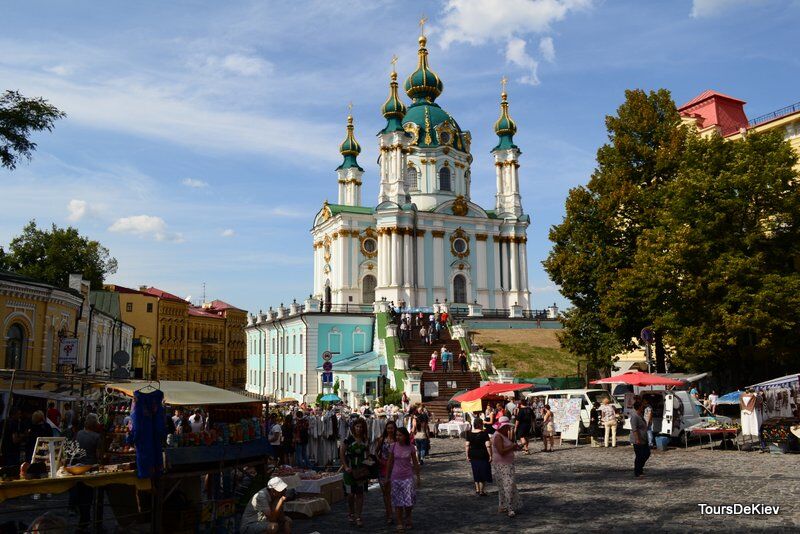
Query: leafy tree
point(719, 274)
point(52, 255)
point(19, 118)
point(604, 220)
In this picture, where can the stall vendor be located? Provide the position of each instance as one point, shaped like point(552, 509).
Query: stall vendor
point(264, 513)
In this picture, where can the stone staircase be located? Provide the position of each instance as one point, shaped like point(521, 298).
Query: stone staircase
point(419, 357)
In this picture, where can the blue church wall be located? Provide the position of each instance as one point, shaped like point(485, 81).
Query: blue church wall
point(343, 340)
point(490, 274)
point(428, 247)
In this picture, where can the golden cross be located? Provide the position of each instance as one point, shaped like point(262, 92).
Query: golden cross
point(503, 82)
point(394, 63)
point(422, 22)
point(349, 107)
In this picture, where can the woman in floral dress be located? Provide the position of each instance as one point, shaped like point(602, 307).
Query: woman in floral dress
point(404, 471)
point(353, 453)
point(383, 449)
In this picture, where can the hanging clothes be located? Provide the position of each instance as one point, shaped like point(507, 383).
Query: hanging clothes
point(148, 430)
point(750, 405)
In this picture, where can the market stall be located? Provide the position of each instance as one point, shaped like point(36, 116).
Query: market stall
point(770, 409)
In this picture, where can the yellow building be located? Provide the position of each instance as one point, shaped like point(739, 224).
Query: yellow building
point(712, 112)
point(34, 318)
point(183, 342)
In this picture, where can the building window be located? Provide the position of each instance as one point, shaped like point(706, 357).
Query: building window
point(294, 344)
point(368, 285)
point(15, 347)
point(335, 341)
point(149, 307)
point(301, 344)
point(359, 341)
point(369, 388)
point(444, 179)
point(459, 289)
point(129, 307)
point(412, 178)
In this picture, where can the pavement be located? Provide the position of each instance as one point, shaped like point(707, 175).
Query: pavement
point(593, 489)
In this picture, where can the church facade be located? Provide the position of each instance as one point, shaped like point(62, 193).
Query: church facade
point(423, 242)
point(425, 239)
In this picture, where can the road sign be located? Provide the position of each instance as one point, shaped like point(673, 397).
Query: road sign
point(327, 356)
point(327, 378)
point(327, 367)
point(647, 335)
point(68, 351)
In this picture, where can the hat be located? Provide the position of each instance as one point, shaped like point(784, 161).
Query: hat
point(501, 422)
point(277, 484)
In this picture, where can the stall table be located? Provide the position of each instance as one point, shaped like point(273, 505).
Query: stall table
point(330, 488)
point(21, 488)
point(712, 433)
point(453, 428)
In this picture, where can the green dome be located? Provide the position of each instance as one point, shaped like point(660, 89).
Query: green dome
point(505, 127)
point(393, 109)
point(423, 84)
point(349, 148)
point(427, 117)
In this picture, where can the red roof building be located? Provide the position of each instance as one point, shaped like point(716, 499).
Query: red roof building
point(713, 109)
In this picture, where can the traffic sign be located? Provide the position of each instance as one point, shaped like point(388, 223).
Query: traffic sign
point(327, 378)
point(327, 356)
point(327, 367)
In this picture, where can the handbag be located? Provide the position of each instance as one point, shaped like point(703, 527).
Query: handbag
point(360, 474)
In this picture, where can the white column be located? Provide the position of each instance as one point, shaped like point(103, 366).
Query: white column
point(514, 265)
point(506, 264)
point(421, 261)
point(384, 256)
point(481, 263)
point(523, 266)
point(497, 250)
point(355, 243)
point(408, 266)
point(344, 238)
point(438, 262)
point(393, 268)
point(498, 168)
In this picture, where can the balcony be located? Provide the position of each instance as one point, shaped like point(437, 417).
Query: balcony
point(208, 361)
point(209, 340)
point(239, 361)
point(176, 361)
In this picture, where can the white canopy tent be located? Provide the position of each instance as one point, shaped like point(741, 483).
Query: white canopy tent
point(180, 393)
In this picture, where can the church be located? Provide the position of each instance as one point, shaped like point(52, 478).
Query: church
point(425, 240)
point(424, 244)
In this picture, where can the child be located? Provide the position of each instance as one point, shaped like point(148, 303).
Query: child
point(403, 466)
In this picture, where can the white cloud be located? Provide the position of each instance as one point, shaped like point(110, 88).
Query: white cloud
point(145, 226)
point(286, 211)
point(228, 232)
point(547, 49)
point(712, 8)
point(192, 182)
point(516, 54)
point(77, 209)
point(60, 70)
point(479, 21)
point(245, 65)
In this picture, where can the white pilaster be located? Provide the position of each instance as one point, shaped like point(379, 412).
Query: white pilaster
point(421, 281)
point(497, 250)
point(408, 266)
point(481, 263)
point(395, 263)
point(513, 264)
point(438, 261)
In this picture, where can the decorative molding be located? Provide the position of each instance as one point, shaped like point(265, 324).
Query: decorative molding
point(420, 232)
point(459, 233)
point(437, 233)
point(459, 207)
point(480, 237)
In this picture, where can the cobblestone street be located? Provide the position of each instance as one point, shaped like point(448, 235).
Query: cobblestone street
point(587, 488)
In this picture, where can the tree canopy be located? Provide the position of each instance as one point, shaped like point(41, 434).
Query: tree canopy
point(698, 238)
point(52, 255)
point(19, 118)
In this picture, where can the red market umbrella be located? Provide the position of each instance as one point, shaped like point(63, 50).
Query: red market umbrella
point(637, 378)
point(492, 388)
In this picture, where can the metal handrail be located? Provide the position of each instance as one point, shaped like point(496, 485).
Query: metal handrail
point(778, 113)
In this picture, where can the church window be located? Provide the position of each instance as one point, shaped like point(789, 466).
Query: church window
point(412, 178)
point(129, 307)
point(459, 245)
point(335, 341)
point(15, 345)
point(444, 179)
point(359, 341)
point(368, 285)
point(459, 288)
point(444, 138)
point(370, 245)
point(301, 344)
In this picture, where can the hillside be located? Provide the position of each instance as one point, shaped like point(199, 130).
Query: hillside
point(531, 353)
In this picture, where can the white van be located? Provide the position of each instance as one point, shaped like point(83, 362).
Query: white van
point(589, 396)
point(673, 411)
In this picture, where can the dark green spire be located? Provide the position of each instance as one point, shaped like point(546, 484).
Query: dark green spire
point(505, 127)
point(393, 109)
point(423, 84)
point(349, 148)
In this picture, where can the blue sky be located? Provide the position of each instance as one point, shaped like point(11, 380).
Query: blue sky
point(202, 137)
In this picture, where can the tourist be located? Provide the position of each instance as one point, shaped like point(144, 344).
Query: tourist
point(443, 318)
point(53, 415)
point(405, 402)
point(434, 361)
point(712, 400)
point(275, 436)
point(462, 361)
point(287, 432)
point(446, 355)
point(420, 429)
point(648, 419)
point(523, 424)
point(438, 328)
point(264, 513)
point(639, 439)
point(89, 440)
point(67, 420)
point(548, 428)
point(479, 454)
point(197, 421)
point(13, 437)
point(511, 408)
point(423, 335)
point(609, 417)
point(352, 454)
point(301, 440)
point(503, 448)
point(594, 424)
point(403, 333)
point(38, 429)
point(383, 449)
point(177, 417)
point(403, 469)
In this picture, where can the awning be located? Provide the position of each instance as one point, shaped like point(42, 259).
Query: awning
point(788, 381)
point(180, 393)
point(492, 388)
point(639, 379)
point(41, 394)
point(730, 398)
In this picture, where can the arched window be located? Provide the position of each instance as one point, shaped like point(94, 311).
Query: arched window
point(459, 289)
point(412, 178)
point(368, 289)
point(15, 347)
point(444, 179)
